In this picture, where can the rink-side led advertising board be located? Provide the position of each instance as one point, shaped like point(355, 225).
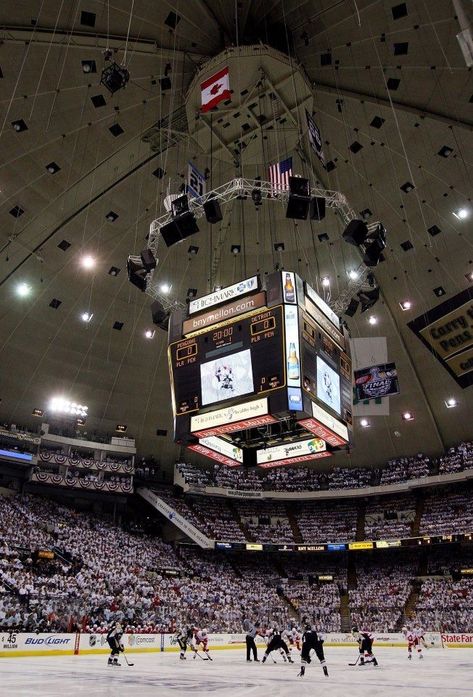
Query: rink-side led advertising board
point(447, 331)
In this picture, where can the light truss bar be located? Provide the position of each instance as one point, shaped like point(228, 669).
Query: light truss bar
point(240, 187)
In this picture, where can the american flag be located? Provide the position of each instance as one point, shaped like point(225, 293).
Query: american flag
point(279, 174)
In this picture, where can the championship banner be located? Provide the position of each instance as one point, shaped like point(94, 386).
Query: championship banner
point(447, 331)
point(196, 183)
point(376, 381)
point(315, 137)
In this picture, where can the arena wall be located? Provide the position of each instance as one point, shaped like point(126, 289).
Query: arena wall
point(13, 644)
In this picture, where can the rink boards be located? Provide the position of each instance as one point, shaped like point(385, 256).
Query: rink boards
point(13, 644)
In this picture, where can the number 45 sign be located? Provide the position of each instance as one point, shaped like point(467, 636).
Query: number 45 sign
point(196, 184)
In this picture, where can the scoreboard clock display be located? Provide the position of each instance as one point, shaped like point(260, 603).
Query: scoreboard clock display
point(239, 358)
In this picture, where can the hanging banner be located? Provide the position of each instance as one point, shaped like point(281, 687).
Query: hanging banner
point(447, 331)
point(315, 137)
point(376, 381)
point(196, 183)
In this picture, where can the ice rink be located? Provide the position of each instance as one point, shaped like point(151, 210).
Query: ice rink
point(442, 673)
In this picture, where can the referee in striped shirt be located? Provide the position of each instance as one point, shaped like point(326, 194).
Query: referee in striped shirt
point(251, 631)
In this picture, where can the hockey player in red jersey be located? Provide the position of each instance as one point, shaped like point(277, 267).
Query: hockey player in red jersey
point(365, 645)
point(415, 640)
point(201, 639)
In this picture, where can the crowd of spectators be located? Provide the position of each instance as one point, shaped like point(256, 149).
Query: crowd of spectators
point(381, 593)
point(447, 513)
point(101, 572)
point(327, 521)
point(310, 479)
point(390, 517)
point(444, 604)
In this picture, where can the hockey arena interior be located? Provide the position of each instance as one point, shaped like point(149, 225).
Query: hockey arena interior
point(236, 348)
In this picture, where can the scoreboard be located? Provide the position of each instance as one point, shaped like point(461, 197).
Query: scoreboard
point(258, 372)
point(241, 358)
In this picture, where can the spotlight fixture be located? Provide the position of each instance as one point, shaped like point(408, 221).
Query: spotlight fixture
point(86, 316)
point(217, 288)
point(19, 126)
point(279, 247)
point(408, 416)
point(451, 403)
point(149, 333)
point(192, 250)
point(368, 298)
point(23, 289)
point(121, 428)
point(89, 66)
point(114, 77)
point(235, 249)
point(53, 168)
point(61, 405)
point(325, 281)
point(256, 197)
point(191, 293)
point(372, 319)
point(165, 288)
point(353, 275)
point(469, 276)
point(405, 305)
point(461, 213)
point(38, 412)
point(88, 261)
point(364, 423)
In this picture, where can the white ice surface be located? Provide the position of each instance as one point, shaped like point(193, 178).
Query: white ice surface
point(442, 673)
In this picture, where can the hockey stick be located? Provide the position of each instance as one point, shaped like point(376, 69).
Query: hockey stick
point(196, 653)
point(355, 663)
point(127, 662)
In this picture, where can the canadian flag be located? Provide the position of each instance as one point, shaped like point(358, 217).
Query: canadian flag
point(215, 89)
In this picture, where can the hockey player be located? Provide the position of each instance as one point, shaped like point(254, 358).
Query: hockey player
point(183, 638)
point(312, 640)
point(201, 639)
point(419, 634)
point(275, 642)
point(411, 639)
point(114, 636)
point(365, 645)
point(252, 630)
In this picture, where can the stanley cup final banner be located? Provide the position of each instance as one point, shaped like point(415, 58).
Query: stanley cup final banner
point(447, 331)
point(376, 381)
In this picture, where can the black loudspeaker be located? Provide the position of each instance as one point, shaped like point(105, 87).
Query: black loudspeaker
point(136, 272)
point(147, 257)
point(317, 208)
point(299, 198)
point(212, 211)
point(298, 186)
point(352, 307)
point(179, 228)
point(373, 251)
point(180, 205)
point(356, 232)
point(368, 298)
point(170, 233)
point(160, 315)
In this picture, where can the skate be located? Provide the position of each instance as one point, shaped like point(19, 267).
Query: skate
point(421, 655)
point(301, 673)
point(410, 657)
point(264, 659)
point(375, 662)
point(110, 661)
point(325, 669)
point(182, 658)
point(115, 662)
point(290, 659)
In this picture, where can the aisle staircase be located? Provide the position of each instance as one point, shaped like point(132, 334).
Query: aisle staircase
point(293, 610)
point(234, 513)
point(345, 616)
point(352, 581)
point(360, 521)
point(410, 605)
point(296, 533)
point(418, 517)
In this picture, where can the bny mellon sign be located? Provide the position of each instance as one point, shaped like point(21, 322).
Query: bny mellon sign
point(447, 331)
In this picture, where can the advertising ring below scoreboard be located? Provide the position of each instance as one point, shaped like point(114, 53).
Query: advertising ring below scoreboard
point(291, 453)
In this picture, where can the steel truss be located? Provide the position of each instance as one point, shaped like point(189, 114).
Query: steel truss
point(246, 188)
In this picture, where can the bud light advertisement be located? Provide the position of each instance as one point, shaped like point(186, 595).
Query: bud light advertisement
point(376, 381)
